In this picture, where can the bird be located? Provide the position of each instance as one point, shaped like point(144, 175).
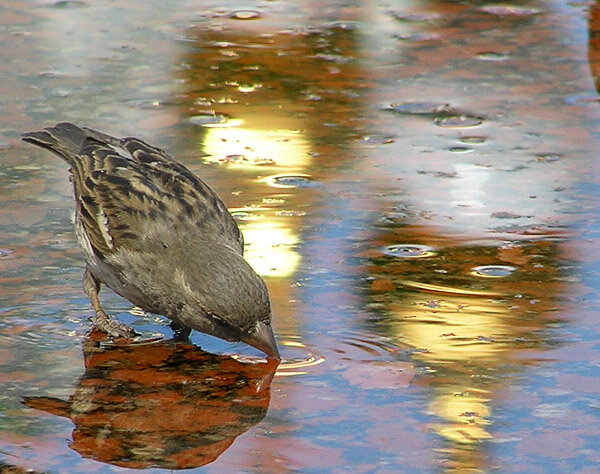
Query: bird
point(159, 236)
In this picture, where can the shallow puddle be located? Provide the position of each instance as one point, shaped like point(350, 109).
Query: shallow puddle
point(417, 183)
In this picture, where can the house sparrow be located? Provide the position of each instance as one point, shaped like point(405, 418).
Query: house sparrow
point(160, 237)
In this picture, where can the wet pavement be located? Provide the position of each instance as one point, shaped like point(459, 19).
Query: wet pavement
point(418, 184)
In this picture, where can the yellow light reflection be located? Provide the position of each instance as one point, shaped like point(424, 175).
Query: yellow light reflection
point(450, 328)
point(466, 415)
point(270, 238)
point(248, 147)
point(270, 247)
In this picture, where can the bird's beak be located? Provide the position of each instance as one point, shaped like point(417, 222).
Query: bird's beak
point(264, 340)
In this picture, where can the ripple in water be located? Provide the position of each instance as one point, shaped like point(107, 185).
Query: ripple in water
point(460, 149)
point(457, 120)
point(290, 181)
point(493, 271)
point(295, 365)
point(474, 140)
point(409, 251)
point(372, 344)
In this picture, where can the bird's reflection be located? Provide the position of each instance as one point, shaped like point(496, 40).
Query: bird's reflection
point(161, 404)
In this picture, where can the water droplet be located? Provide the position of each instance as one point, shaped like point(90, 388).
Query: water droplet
point(548, 157)
point(137, 311)
point(376, 139)
point(290, 181)
point(342, 25)
point(245, 15)
point(457, 120)
point(428, 36)
point(290, 213)
point(439, 174)
point(69, 4)
point(5, 253)
point(419, 108)
point(246, 88)
point(208, 119)
point(509, 10)
point(409, 251)
point(492, 56)
point(460, 149)
point(144, 104)
point(245, 216)
point(414, 17)
point(473, 140)
point(507, 215)
point(492, 271)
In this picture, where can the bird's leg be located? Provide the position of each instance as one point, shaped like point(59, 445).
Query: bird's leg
point(101, 320)
point(180, 332)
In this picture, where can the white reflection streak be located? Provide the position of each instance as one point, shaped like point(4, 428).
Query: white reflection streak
point(468, 188)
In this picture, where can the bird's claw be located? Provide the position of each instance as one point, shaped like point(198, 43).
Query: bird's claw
point(111, 327)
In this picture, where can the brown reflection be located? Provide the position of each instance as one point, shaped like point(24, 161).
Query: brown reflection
point(470, 329)
point(161, 404)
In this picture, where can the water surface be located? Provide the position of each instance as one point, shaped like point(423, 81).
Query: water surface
point(417, 182)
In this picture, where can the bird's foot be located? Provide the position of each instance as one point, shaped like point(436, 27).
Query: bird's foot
point(113, 328)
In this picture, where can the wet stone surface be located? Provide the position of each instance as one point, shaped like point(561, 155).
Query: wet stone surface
point(417, 183)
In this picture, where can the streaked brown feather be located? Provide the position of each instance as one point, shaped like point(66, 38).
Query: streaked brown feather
point(125, 189)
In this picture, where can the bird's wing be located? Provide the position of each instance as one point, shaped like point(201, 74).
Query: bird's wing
point(127, 190)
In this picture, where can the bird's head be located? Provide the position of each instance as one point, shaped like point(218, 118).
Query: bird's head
point(226, 298)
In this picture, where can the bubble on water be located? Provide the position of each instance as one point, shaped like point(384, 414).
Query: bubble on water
point(492, 56)
point(492, 271)
point(457, 120)
point(408, 251)
point(245, 15)
point(419, 108)
point(290, 181)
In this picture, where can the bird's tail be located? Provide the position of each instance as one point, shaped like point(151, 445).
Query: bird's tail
point(64, 139)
